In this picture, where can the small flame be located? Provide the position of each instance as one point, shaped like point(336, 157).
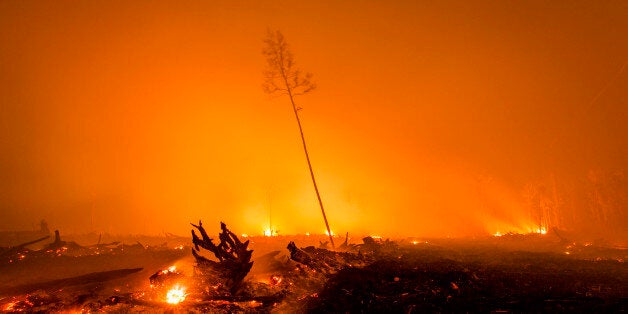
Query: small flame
point(176, 295)
point(275, 280)
point(497, 234)
point(332, 233)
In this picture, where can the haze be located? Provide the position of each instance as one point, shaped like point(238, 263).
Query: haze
point(430, 118)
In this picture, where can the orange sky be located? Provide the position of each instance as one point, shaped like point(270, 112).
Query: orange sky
point(142, 116)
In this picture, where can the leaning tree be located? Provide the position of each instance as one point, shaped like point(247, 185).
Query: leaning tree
point(282, 77)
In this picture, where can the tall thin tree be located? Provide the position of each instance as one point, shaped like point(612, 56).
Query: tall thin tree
point(282, 77)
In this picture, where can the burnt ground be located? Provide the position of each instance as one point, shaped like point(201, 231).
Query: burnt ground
point(505, 274)
point(430, 280)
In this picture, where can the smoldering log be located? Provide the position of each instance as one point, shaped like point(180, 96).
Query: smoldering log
point(325, 260)
point(12, 250)
point(234, 257)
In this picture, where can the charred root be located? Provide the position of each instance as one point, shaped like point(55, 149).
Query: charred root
point(234, 258)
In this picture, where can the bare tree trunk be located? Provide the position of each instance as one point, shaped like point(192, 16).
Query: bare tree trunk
point(309, 164)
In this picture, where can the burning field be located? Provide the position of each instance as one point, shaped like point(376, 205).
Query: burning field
point(230, 273)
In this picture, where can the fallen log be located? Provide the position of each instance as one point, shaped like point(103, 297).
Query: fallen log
point(13, 250)
point(100, 246)
point(325, 260)
point(95, 277)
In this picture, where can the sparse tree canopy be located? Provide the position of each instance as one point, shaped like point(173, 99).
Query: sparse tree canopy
point(281, 75)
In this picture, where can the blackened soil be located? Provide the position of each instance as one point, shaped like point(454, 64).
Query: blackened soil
point(429, 280)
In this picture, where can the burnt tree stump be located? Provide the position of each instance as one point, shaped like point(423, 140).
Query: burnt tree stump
point(234, 258)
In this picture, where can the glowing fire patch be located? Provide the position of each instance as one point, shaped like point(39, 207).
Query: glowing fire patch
point(176, 295)
point(332, 233)
point(275, 280)
point(269, 232)
point(10, 307)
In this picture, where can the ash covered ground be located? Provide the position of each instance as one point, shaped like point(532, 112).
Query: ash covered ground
point(512, 273)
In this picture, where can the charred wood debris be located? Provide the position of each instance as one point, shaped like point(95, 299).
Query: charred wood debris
point(374, 276)
point(59, 248)
point(221, 279)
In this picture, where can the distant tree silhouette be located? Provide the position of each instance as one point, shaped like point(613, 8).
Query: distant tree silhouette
point(282, 77)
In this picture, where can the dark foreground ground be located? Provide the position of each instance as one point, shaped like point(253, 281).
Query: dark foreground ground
point(426, 280)
point(493, 274)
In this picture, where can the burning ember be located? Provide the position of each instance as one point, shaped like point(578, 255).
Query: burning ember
point(165, 276)
point(275, 280)
point(176, 295)
point(9, 307)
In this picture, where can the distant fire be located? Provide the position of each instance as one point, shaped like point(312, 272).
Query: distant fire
point(530, 231)
point(541, 231)
point(176, 295)
point(269, 232)
point(415, 242)
point(332, 233)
